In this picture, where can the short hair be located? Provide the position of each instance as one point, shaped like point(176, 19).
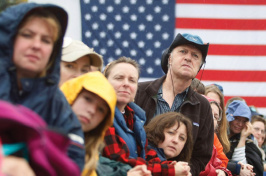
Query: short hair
point(197, 86)
point(155, 132)
point(258, 118)
point(122, 59)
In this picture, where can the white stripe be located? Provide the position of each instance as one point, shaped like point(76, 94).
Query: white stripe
point(262, 111)
point(256, 89)
point(220, 11)
point(257, 37)
point(215, 62)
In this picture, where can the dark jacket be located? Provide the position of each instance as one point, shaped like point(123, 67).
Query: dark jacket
point(253, 154)
point(195, 107)
point(42, 95)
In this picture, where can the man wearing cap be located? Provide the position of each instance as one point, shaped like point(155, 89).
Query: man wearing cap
point(181, 63)
point(77, 59)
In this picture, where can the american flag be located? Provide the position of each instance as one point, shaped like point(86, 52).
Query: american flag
point(142, 29)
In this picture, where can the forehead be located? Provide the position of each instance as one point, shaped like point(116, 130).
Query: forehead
point(241, 118)
point(124, 68)
point(187, 46)
point(85, 92)
point(258, 124)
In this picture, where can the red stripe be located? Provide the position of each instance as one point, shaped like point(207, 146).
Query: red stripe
point(229, 75)
point(255, 101)
point(237, 50)
point(224, 24)
point(235, 2)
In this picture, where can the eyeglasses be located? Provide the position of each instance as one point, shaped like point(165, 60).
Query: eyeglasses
point(217, 117)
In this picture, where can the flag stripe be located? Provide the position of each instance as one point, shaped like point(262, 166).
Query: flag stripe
point(239, 37)
point(245, 63)
point(232, 2)
point(231, 24)
point(255, 101)
point(239, 50)
point(236, 75)
point(219, 11)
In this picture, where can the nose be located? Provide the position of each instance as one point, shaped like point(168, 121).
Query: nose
point(36, 43)
point(175, 139)
point(92, 108)
point(76, 73)
point(125, 82)
point(188, 56)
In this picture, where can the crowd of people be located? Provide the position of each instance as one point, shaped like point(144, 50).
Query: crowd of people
point(106, 122)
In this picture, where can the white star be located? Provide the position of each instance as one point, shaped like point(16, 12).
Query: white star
point(133, 17)
point(149, 17)
point(95, 42)
point(103, 51)
point(110, 9)
point(125, 44)
point(95, 26)
point(157, 27)
point(165, 1)
point(117, 1)
point(110, 26)
point(149, 36)
point(157, 44)
point(110, 59)
point(149, 52)
point(142, 61)
point(133, 52)
point(149, 1)
point(133, 1)
point(110, 42)
point(133, 35)
point(118, 52)
point(103, 17)
point(118, 17)
point(141, 9)
point(86, 1)
point(165, 17)
point(118, 35)
point(165, 36)
point(94, 8)
point(157, 61)
point(157, 9)
point(125, 9)
point(102, 1)
point(141, 44)
point(87, 16)
point(126, 27)
point(88, 34)
point(102, 34)
point(149, 70)
point(142, 27)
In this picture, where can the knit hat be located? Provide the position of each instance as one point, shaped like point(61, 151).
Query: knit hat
point(238, 108)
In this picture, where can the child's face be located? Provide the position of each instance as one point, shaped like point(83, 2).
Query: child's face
point(90, 110)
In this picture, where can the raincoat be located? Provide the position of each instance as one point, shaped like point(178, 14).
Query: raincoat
point(41, 95)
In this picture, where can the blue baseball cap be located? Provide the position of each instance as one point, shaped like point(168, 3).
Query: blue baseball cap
point(237, 108)
point(184, 39)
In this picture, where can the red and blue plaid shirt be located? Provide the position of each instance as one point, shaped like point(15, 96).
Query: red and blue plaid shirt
point(116, 149)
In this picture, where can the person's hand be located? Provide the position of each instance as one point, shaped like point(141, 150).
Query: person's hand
point(140, 170)
point(15, 166)
point(220, 172)
point(247, 130)
point(246, 170)
point(182, 168)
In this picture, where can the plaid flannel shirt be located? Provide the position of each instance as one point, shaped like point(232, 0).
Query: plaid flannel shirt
point(116, 149)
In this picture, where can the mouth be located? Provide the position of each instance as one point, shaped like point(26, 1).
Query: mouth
point(33, 57)
point(172, 148)
point(124, 92)
point(84, 120)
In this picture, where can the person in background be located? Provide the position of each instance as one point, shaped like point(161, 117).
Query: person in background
point(232, 99)
point(198, 86)
point(215, 165)
point(30, 53)
point(77, 59)
point(93, 99)
point(126, 140)
point(213, 92)
point(170, 135)
point(243, 148)
point(181, 62)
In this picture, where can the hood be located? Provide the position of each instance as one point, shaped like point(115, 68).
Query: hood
point(94, 82)
point(11, 18)
point(238, 108)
